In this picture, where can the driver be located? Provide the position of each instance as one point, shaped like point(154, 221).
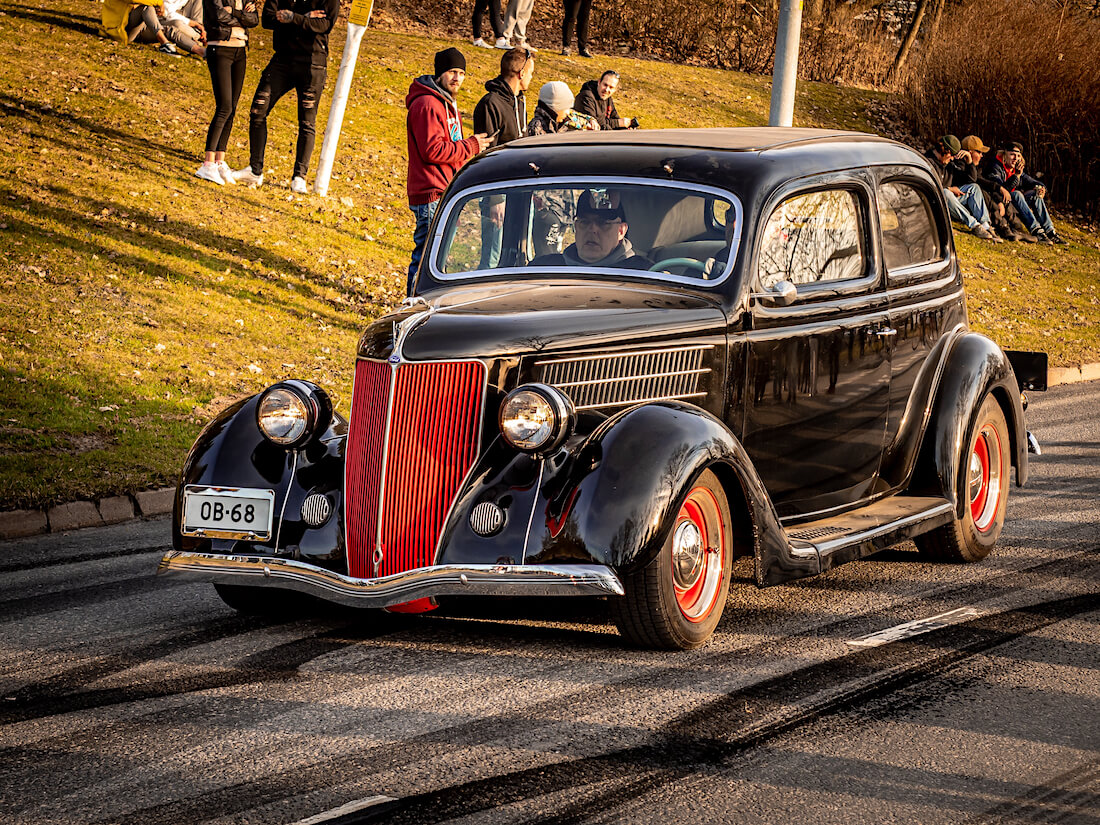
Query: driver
point(600, 228)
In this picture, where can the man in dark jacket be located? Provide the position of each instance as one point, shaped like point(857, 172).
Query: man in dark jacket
point(502, 115)
point(436, 146)
point(595, 99)
point(964, 199)
point(601, 228)
point(300, 62)
point(1027, 194)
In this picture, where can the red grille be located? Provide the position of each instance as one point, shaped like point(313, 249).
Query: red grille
point(431, 442)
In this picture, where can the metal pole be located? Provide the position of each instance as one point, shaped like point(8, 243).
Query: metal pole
point(785, 74)
point(340, 94)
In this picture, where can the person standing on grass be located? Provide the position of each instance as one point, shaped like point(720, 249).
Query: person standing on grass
point(502, 115)
point(515, 25)
point(495, 22)
point(436, 146)
point(300, 62)
point(575, 12)
point(595, 99)
point(227, 23)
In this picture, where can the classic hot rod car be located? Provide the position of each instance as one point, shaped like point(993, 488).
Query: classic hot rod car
point(629, 359)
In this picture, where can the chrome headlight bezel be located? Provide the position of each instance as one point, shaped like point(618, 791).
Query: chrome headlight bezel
point(312, 409)
point(556, 409)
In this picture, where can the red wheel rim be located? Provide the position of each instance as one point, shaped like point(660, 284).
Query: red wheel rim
point(984, 478)
point(698, 555)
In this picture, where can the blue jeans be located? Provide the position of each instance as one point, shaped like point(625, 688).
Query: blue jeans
point(1033, 211)
point(970, 208)
point(424, 214)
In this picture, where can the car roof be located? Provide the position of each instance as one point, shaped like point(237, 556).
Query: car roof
point(746, 139)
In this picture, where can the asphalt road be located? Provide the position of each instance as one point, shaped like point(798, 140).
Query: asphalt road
point(127, 699)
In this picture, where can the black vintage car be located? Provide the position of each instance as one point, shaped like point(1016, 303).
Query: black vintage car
point(631, 358)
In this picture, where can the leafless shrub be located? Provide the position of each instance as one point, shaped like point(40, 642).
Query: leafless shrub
point(1024, 71)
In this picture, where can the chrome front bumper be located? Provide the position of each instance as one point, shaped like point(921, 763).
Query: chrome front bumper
point(440, 580)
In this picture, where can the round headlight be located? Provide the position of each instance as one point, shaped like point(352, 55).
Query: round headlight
point(536, 418)
point(284, 416)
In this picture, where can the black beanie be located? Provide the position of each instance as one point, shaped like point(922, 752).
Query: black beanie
point(449, 59)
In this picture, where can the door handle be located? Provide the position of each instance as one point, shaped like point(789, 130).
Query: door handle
point(887, 332)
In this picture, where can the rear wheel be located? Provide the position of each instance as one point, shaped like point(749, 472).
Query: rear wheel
point(983, 489)
point(675, 601)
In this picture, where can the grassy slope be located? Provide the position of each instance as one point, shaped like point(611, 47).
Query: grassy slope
point(138, 300)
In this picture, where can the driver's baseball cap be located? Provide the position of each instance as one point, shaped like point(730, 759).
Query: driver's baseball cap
point(604, 204)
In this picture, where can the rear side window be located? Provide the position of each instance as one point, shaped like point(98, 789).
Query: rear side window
point(813, 238)
point(909, 234)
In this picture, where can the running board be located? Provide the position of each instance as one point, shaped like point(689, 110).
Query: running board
point(853, 535)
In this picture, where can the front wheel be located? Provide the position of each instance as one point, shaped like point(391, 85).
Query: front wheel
point(983, 489)
point(675, 601)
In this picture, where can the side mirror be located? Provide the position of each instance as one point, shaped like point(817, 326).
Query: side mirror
point(782, 294)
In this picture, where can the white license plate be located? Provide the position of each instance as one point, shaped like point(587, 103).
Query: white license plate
point(227, 512)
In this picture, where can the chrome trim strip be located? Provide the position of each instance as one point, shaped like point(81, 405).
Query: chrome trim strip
point(534, 507)
point(439, 580)
point(624, 354)
point(634, 401)
point(831, 546)
point(622, 378)
point(377, 554)
point(286, 498)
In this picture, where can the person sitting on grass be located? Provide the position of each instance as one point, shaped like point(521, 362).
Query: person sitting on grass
point(177, 26)
point(964, 202)
point(595, 99)
point(1026, 193)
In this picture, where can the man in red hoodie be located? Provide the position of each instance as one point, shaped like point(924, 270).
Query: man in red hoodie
point(436, 146)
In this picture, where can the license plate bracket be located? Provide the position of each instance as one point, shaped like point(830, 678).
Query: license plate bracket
point(227, 512)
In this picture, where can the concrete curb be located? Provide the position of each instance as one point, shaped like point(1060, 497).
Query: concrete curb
point(16, 524)
point(74, 515)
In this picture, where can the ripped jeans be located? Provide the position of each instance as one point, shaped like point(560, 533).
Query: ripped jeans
point(277, 79)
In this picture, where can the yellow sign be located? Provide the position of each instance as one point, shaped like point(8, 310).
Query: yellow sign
point(360, 12)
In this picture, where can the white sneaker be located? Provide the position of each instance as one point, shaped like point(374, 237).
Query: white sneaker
point(245, 176)
point(209, 171)
point(523, 44)
point(298, 185)
point(503, 43)
point(226, 173)
point(481, 44)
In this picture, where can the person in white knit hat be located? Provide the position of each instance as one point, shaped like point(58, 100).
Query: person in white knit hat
point(554, 208)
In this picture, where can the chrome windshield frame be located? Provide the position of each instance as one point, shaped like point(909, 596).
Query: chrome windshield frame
point(443, 218)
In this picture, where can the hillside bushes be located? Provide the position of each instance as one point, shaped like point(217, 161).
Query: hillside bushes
point(1017, 71)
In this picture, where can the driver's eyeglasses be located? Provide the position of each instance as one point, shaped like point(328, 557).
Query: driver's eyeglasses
point(596, 223)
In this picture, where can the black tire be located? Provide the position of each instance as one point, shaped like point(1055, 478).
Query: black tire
point(985, 468)
point(678, 609)
point(262, 601)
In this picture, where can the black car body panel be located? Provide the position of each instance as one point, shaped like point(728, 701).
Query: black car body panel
point(847, 395)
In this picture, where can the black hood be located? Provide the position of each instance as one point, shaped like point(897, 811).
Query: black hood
point(517, 319)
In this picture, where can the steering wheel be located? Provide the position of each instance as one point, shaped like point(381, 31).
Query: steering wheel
point(686, 263)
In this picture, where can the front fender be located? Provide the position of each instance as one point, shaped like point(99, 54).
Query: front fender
point(975, 368)
point(615, 501)
point(232, 452)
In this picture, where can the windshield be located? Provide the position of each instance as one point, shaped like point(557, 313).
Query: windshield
point(648, 228)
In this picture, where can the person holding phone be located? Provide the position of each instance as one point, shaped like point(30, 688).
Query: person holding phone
point(227, 23)
point(436, 146)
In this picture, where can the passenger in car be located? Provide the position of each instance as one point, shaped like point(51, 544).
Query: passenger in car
point(714, 267)
point(600, 226)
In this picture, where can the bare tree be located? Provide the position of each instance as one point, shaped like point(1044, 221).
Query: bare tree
point(908, 40)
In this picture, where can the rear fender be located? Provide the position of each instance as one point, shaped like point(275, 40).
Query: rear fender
point(976, 367)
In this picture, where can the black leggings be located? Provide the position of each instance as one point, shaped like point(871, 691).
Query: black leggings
point(495, 19)
point(575, 11)
point(227, 64)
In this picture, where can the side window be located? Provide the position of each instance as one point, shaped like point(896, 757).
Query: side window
point(813, 238)
point(909, 234)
